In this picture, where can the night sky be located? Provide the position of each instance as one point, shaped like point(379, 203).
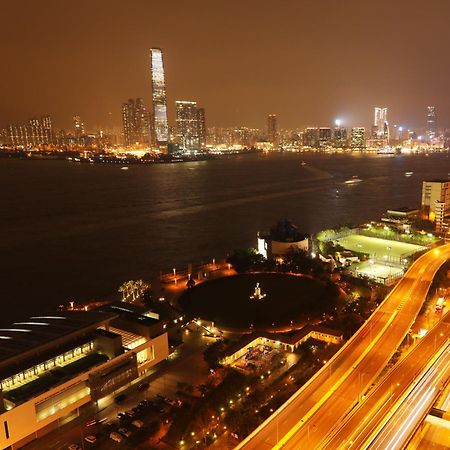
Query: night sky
point(307, 61)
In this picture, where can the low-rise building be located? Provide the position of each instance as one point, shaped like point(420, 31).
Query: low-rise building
point(282, 341)
point(282, 239)
point(51, 366)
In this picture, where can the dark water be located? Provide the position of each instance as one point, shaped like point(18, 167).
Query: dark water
point(71, 231)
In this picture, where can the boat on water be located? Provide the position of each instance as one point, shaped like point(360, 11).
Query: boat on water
point(408, 174)
point(353, 180)
point(124, 168)
point(303, 163)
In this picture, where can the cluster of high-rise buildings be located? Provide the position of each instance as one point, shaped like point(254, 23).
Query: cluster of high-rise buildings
point(150, 127)
point(379, 136)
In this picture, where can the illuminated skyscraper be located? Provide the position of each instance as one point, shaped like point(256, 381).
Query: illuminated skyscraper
point(272, 129)
point(380, 128)
point(357, 139)
point(160, 124)
point(431, 123)
point(187, 125)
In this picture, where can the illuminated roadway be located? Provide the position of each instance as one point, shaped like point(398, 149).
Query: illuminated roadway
point(316, 408)
point(363, 421)
point(401, 424)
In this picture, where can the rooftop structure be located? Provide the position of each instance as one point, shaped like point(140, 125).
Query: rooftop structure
point(53, 364)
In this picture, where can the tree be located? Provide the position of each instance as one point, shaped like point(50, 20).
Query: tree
point(244, 260)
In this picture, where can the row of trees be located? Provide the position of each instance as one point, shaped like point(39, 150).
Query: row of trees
point(132, 290)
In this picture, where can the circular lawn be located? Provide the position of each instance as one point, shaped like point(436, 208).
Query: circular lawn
point(227, 301)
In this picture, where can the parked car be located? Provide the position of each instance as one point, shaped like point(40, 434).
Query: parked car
point(137, 423)
point(143, 386)
point(91, 438)
point(74, 447)
point(115, 436)
point(125, 432)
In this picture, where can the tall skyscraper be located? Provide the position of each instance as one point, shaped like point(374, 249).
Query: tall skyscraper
point(380, 128)
point(431, 130)
point(272, 129)
point(357, 137)
point(136, 122)
point(160, 124)
point(201, 118)
point(78, 127)
point(187, 125)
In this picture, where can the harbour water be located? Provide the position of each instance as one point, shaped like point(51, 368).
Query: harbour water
point(76, 231)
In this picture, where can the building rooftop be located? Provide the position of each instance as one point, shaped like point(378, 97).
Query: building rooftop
point(44, 334)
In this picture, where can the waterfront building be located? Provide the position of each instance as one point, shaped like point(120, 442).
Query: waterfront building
point(340, 137)
point(281, 240)
point(325, 137)
point(160, 123)
point(188, 128)
point(431, 130)
point(33, 133)
point(357, 138)
point(272, 130)
point(136, 122)
point(52, 366)
point(436, 202)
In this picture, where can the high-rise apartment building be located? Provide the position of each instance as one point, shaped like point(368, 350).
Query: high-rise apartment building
point(431, 130)
point(325, 137)
point(160, 124)
point(340, 137)
point(357, 137)
point(436, 202)
point(272, 130)
point(187, 125)
point(136, 122)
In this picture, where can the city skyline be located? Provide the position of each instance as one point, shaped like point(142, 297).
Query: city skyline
point(246, 83)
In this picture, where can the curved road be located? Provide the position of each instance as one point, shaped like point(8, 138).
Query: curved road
point(313, 411)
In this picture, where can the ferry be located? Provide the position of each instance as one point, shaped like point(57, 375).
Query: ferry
point(303, 163)
point(353, 180)
point(408, 174)
point(124, 168)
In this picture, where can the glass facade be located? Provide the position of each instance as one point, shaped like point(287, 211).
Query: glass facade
point(32, 373)
point(160, 126)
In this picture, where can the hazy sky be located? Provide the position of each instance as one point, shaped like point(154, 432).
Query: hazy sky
point(308, 61)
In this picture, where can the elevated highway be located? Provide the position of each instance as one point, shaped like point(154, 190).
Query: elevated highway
point(313, 411)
